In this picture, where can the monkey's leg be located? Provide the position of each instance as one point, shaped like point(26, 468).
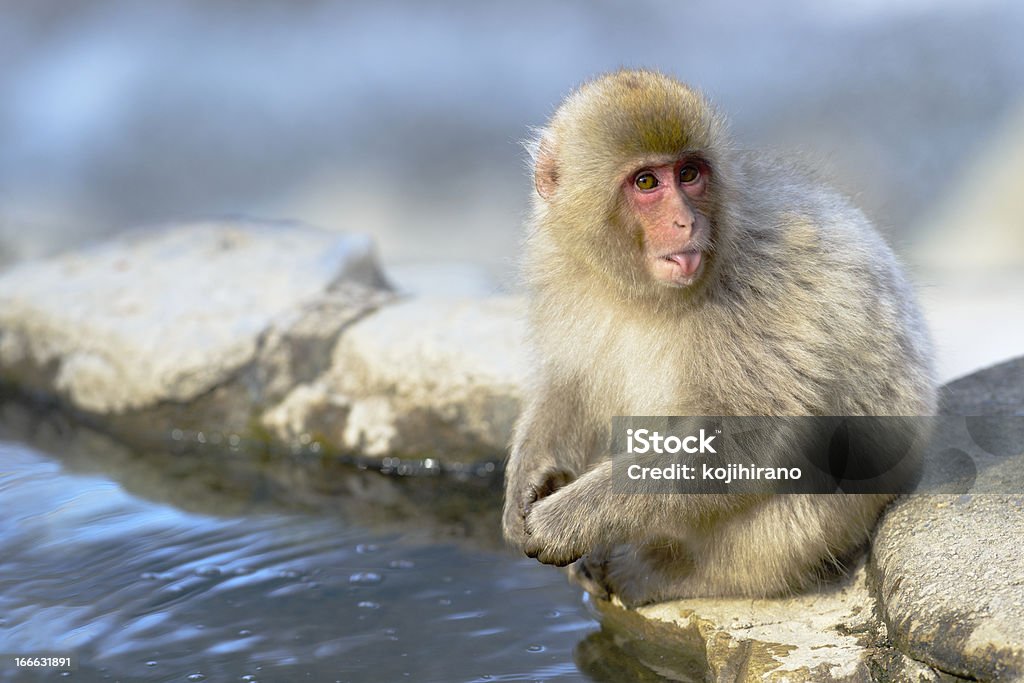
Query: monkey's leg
point(763, 553)
point(784, 545)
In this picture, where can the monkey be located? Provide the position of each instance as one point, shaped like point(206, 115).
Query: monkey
point(669, 272)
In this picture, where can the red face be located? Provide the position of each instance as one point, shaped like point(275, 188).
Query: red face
point(677, 234)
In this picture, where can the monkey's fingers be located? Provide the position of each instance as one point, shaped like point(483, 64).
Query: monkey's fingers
point(548, 484)
point(553, 481)
point(549, 553)
point(553, 557)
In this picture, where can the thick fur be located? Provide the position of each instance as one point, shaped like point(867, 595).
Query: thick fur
point(802, 310)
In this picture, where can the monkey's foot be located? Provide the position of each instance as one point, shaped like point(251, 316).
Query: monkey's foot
point(588, 572)
point(605, 574)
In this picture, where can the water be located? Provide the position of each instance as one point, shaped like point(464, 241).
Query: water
point(159, 568)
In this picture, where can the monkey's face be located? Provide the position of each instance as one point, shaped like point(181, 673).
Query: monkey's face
point(668, 202)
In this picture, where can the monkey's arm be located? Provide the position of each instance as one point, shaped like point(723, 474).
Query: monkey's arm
point(550, 448)
point(586, 514)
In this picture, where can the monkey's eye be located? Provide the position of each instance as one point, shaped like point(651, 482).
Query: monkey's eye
point(689, 173)
point(645, 181)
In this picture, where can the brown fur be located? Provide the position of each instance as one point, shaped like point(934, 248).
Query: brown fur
point(801, 310)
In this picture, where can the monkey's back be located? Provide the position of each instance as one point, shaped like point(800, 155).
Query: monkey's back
point(838, 308)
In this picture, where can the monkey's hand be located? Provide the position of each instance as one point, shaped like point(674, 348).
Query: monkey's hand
point(554, 530)
point(522, 490)
point(567, 524)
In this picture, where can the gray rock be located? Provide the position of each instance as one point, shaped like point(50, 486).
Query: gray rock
point(949, 568)
point(828, 635)
point(191, 326)
point(233, 332)
point(423, 377)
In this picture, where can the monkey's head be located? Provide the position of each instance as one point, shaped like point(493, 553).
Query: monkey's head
point(629, 175)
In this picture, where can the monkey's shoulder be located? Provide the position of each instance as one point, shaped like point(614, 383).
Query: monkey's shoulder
point(790, 225)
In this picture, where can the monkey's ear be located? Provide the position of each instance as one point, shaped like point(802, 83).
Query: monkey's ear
point(545, 169)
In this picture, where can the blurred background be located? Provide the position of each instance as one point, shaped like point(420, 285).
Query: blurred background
point(404, 120)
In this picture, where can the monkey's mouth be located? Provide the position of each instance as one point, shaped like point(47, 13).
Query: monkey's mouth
point(688, 262)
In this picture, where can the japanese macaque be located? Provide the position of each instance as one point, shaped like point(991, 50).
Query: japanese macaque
point(671, 274)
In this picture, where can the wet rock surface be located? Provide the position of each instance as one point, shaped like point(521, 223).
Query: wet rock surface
point(829, 635)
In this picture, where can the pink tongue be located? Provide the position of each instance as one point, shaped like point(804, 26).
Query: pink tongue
point(689, 261)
